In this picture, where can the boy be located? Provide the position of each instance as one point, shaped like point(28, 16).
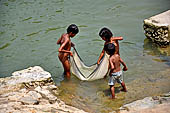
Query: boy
point(115, 69)
point(65, 47)
point(107, 36)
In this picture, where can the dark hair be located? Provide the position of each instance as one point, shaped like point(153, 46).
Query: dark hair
point(109, 48)
point(72, 28)
point(105, 32)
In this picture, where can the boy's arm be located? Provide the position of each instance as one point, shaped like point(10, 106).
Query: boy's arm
point(123, 63)
point(59, 41)
point(64, 51)
point(100, 57)
point(111, 64)
point(117, 38)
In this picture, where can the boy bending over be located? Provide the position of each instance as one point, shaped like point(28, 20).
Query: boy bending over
point(107, 36)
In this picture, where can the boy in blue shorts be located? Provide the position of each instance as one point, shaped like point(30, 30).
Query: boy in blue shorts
point(115, 69)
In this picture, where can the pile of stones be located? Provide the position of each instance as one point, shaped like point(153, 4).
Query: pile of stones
point(31, 90)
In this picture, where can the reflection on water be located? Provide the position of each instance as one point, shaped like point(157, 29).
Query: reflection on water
point(163, 54)
point(93, 96)
point(153, 49)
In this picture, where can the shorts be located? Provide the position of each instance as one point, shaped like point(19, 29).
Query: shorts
point(115, 77)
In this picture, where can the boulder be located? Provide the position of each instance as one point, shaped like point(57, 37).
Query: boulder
point(31, 90)
point(157, 28)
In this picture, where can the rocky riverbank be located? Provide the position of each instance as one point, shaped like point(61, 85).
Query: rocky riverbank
point(31, 90)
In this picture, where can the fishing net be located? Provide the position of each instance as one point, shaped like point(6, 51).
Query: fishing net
point(88, 73)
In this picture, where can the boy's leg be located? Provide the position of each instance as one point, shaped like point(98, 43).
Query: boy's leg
point(120, 81)
point(124, 87)
point(112, 89)
point(66, 65)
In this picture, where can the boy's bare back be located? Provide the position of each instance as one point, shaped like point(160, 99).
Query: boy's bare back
point(115, 63)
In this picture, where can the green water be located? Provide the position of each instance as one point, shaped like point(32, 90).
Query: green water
point(29, 30)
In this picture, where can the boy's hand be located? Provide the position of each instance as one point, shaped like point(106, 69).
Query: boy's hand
point(125, 69)
point(105, 76)
point(72, 45)
point(71, 54)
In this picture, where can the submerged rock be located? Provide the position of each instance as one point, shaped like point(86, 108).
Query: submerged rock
point(157, 28)
point(31, 90)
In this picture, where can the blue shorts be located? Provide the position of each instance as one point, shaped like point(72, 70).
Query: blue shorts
point(115, 77)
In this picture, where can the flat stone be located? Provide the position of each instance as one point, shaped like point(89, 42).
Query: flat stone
point(28, 101)
point(159, 20)
point(157, 104)
point(35, 73)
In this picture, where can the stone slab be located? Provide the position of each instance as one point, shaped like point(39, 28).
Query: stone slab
point(157, 28)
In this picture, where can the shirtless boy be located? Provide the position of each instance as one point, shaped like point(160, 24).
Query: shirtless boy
point(115, 69)
point(107, 36)
point(65, 47)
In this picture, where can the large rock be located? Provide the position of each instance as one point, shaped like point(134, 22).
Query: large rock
point(32, 74)
point(156, 104)
point(157, 28)
point(31, 90)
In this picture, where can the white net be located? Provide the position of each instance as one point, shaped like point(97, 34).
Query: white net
point(88, 73)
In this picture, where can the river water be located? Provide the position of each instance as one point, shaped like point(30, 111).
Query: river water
point(29, 30)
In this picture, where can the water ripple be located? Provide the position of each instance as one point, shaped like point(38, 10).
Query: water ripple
point(4, 46)
point(34, 33)
point(58, 11)
point(27, 19)
point(54, 28)
point(82, 26)
point(126, 42)
point(37, 22)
